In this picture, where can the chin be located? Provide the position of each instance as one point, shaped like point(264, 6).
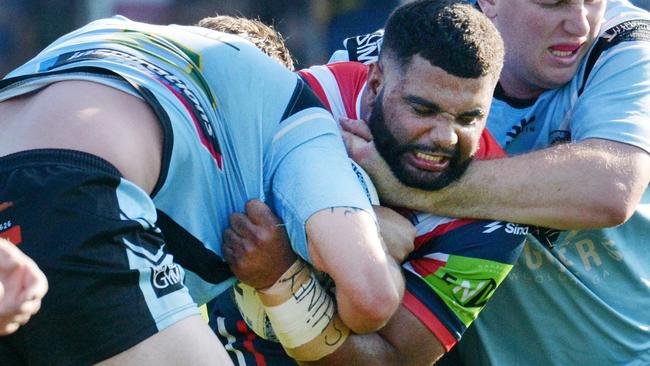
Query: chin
point(560, 77)
point(555, 82)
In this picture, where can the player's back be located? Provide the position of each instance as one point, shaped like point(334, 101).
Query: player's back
point(226, 116)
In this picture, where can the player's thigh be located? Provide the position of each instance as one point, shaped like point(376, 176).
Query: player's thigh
point(112, 283)
point(188, 342)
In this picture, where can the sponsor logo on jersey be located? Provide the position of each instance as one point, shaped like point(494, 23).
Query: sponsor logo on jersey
point(492, 227)
point(515, 229)
point(177, 86)
point(366, 184)
point(365, 48)
point(631, 30)
point(471, 292)
point(166, 279)
point(509, 228)
point(559, 136)
point(8, 229)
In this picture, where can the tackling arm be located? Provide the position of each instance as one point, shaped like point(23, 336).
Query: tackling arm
point(257, 249)
point(404, 341)
point(587, 184)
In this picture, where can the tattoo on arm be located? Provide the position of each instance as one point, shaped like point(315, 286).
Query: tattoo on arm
point(317, 296)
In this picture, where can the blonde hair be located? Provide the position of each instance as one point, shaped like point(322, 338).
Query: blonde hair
point(265, 37)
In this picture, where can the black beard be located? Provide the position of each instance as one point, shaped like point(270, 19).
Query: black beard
point(391, 151)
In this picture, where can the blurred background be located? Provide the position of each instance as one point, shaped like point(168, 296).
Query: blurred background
point(312, 28)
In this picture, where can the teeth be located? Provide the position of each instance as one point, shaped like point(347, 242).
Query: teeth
point(428, 157)
point(561, 53)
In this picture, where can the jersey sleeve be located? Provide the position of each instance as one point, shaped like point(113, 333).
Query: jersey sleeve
point(312, 172)
point(455, 270)
point(615, 104)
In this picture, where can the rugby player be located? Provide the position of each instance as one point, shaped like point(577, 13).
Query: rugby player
point(572, 107)
point(446, 287)
point(124, 149)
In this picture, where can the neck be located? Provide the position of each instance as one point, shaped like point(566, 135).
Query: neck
point(501, 95)
point(517, 89)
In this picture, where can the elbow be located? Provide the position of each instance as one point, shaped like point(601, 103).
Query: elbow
point(370, 310)
point(615, 214)
point(614, 209)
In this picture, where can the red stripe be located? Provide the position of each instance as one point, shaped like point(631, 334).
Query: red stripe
point(350, 78)
point(489, 148)
point(420, 311)
point(426, 266)
point(12, 234)
point(202, 137)
point(248, 343)
point(440, 230)
point(316, 87)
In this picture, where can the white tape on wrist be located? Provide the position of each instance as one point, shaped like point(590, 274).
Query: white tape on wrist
point(253, 312)
point(307, 312)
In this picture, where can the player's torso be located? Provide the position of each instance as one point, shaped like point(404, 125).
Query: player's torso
point(196, 83)
point(582, 268)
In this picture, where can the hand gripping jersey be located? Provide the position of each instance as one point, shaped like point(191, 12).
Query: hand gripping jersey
point(580, 296)
point(453, 271)
point(237, 126)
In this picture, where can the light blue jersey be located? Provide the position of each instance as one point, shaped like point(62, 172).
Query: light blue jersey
point(586, 300)
point(237, 126)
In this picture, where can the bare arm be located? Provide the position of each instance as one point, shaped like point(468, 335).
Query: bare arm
point(397, 233)
point(588, 184)
point(258, 250)
point(404, 341)
point(354, 268)
point(360, 308)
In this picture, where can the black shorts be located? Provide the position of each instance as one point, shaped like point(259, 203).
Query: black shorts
point(112, 283)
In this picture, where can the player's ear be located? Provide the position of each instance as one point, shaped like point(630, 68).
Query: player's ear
point(488, 7)
point(374, 83)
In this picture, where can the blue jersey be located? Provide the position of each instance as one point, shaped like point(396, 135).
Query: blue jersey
point(584, 298)
point(237, 126)
point(455, 267)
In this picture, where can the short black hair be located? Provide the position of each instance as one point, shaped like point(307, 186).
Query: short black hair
point(452, 35)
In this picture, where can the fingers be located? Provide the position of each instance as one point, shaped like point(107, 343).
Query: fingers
point(357, 127)
point(232, 246)
point(10, 256)
point(260, 214)
point(242, 225)
point(15, 313)
point(12, 319)
point(35, 282)
point(8, 327)
point(357, 148)
point(23, 287)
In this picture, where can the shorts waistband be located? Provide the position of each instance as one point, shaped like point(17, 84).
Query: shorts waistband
point(43, 157)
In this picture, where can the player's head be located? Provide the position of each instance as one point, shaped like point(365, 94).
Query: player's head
point(430, 91)
point(545, 40)
point(265, 37)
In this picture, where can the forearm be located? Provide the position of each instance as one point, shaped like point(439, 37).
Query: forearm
point(404, 341)
point(364, 313)
point(362, 349)
point(345, 244)
point(305, 321)
point(594, 183)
